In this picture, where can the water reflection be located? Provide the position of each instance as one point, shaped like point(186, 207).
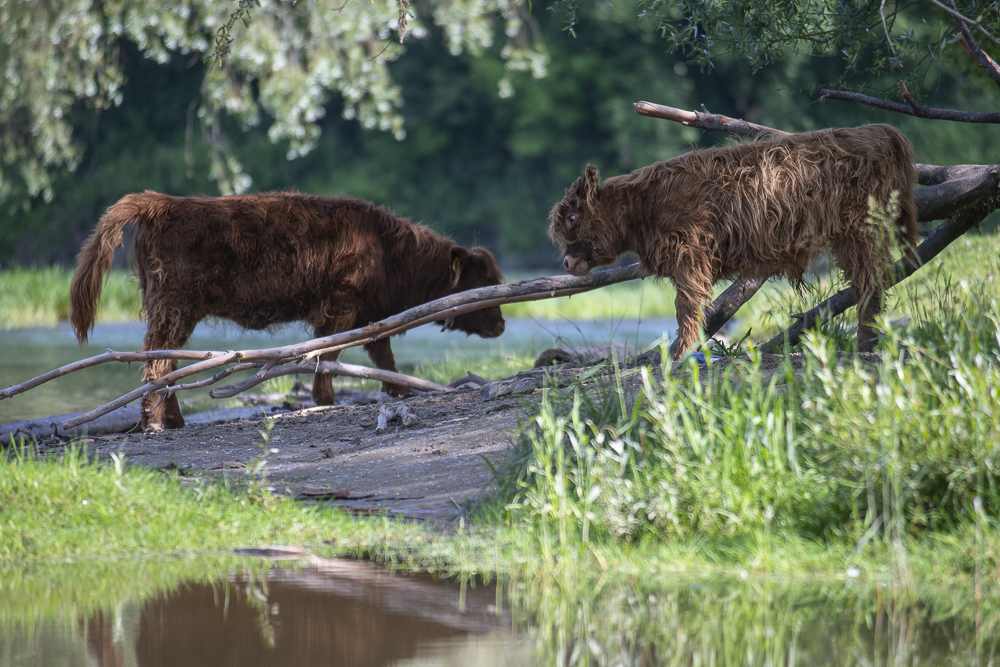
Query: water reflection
point(348, 613)
point(747, 623)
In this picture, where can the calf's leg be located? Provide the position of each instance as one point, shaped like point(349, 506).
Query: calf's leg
point(381, 355)
point(694, 289)
point(159, 411)
point(322, 391)
point(865, 260)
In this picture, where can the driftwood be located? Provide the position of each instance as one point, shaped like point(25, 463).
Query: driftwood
point(964, 193)
point(332, 367)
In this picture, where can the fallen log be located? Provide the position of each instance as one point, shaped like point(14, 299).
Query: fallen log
point(333, 368)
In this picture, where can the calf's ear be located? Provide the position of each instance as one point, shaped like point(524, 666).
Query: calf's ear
point(592, 181)
point(459, 255)
point(586, 187)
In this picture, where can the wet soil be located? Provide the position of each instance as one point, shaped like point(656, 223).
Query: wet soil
point(434, 468)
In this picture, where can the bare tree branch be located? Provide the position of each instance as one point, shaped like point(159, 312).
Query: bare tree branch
point(965, 45)
point(334, 368)
point(725, 306)
point(953, 11)
point(912, 109)
point(706, 121)
point(109, 355)
point(927, 174)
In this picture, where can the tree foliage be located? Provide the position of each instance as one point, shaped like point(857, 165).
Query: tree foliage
point(281, 62)
point(876, 42)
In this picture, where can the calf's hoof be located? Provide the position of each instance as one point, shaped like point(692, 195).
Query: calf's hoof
point(396, 390)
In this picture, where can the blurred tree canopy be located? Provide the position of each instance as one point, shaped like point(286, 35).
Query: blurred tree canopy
point(285, 61)
point(475, 124)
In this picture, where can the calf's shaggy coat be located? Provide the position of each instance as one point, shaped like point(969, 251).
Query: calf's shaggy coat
point(754, 210)
point(260, 260)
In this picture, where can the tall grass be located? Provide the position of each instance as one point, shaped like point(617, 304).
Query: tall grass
point(869, 456)
point(975, 257)
point(40, 297)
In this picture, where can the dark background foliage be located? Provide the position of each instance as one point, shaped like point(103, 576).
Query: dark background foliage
point(475, 165)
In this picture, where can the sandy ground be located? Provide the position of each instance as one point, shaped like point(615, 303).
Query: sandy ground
point(434, 468)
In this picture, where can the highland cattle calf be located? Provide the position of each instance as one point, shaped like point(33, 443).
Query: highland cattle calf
point(261, 260)
point(754, 209)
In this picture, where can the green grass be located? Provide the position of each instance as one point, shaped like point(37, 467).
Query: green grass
point(40, 297)
point(636, 298)
point(492, 366)
point(975, 258)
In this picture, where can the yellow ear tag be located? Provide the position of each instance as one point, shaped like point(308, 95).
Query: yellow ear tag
point(454, 265)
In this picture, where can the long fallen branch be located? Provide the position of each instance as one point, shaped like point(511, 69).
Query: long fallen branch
point(440, 309)
point(334, 368)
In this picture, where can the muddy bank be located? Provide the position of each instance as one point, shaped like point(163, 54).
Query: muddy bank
point(430, 460)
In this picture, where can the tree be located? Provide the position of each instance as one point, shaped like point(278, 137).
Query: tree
point(900, 47)
point(275, 62)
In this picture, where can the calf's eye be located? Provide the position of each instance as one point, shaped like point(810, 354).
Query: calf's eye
point(572, 218)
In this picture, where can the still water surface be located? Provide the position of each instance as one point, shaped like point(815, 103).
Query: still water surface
point(27, 353)
point(350, 613)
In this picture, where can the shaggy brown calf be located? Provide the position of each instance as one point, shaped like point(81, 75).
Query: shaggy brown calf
point(754, 210)
point(261, 260)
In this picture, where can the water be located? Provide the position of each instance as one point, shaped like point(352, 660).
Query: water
point(357, 615)
point(350, 613)
point(27, 353)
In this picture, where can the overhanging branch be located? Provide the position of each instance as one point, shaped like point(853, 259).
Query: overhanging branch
point(912, 109)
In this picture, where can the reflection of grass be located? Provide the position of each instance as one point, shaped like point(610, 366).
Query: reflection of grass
point(40, 297)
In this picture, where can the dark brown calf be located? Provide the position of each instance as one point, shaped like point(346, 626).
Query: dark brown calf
point(753, 210)
point(261, 260)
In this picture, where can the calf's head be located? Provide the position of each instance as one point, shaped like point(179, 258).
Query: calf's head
point(576, 227)
point(472, 268)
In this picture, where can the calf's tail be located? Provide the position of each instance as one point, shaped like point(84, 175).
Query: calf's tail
point(94, 263)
